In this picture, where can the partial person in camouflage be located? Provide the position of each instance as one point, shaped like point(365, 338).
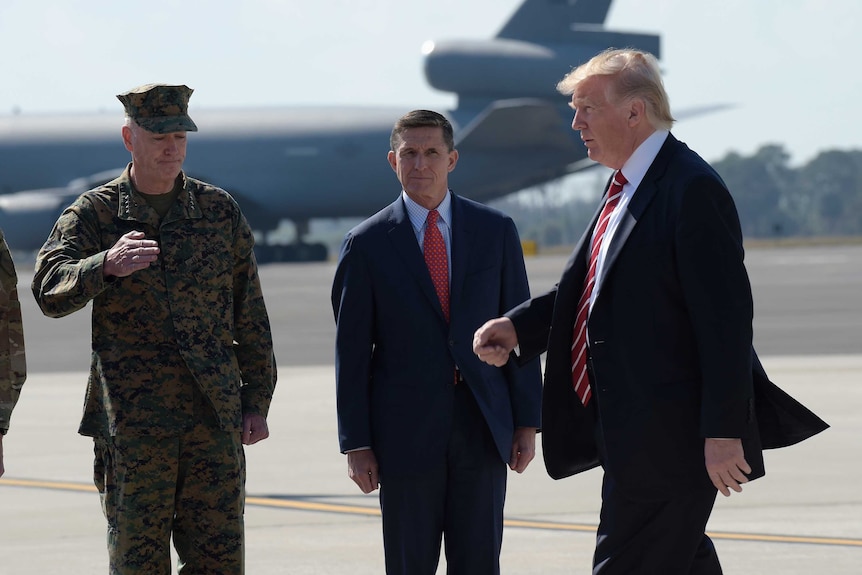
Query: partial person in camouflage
point(182, 370)
point(13, 367)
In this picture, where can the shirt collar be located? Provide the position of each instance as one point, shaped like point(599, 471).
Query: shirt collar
point(418, 214)
point(639, 162)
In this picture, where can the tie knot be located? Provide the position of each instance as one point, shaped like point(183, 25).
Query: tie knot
point(431, 220)
point(619, 179)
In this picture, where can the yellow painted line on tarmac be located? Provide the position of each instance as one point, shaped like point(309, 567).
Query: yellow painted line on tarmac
point(274, 502)
point(549, 525)
point(55, 485)
point(754, 537)
point(312, 506)
point(762, 538)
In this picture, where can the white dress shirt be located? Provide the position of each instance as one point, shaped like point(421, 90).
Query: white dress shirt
point(634, 171)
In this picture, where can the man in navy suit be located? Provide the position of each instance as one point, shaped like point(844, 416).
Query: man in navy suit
point(419, 415)
point(650, 370)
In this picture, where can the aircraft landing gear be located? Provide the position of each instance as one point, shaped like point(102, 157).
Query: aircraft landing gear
point(272, 247)
point(295, 252)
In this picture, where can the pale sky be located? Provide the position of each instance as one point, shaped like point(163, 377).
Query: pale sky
point(790, 67)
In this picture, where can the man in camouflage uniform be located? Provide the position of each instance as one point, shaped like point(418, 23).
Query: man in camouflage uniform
point(13, 368)
point(182, 369)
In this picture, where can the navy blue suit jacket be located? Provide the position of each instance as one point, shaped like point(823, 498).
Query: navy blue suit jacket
point(670, 336)
point(395, 353)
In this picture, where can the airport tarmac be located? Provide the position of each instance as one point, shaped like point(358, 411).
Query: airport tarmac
point(304, 516)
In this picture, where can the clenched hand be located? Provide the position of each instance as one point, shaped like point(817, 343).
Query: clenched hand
point(493, 342)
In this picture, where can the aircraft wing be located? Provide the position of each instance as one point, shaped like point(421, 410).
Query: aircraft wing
point(517, 124)
point(695, 112)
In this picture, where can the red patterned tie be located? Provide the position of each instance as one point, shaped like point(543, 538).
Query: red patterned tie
point(436, 260)
point(580, 380)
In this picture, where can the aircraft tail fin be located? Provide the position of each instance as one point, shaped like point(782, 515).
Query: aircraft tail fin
point(552, 20)
point(540, 43)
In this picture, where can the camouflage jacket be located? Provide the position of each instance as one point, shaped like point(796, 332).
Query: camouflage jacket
point(198, 309)
point(13, 367)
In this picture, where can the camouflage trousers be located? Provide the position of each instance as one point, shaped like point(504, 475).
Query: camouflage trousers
point(189, 486)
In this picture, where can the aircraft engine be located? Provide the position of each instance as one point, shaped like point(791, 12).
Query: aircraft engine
point(503, 68)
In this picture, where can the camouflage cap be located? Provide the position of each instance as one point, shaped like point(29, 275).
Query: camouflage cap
point(159, 108)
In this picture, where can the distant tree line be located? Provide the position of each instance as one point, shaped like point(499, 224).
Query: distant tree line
point(775, 200)
point(820, 198)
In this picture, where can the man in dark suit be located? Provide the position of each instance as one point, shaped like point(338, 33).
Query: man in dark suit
point(418, 414)
point(650, 369)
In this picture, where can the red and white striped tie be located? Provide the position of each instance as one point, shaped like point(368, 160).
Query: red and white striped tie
point(580, 380)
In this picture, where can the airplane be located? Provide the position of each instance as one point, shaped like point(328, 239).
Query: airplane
point(511, 129)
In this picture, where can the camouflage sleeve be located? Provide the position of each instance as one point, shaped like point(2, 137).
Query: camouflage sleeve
point(69, 267)
point(252, 335)
point(13, 367)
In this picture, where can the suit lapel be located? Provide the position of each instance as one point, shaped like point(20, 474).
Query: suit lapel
point(461, 246)
point(643, 196)
point(575, 271)
point(571, 283)
point(404, 243)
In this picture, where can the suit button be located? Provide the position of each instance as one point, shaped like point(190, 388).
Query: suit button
point(451, 343)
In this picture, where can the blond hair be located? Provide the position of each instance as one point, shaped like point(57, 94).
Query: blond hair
point(635, 74)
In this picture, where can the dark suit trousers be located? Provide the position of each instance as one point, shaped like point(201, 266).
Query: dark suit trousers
point(654, 537)
point(460, 498)
point(639, 537)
